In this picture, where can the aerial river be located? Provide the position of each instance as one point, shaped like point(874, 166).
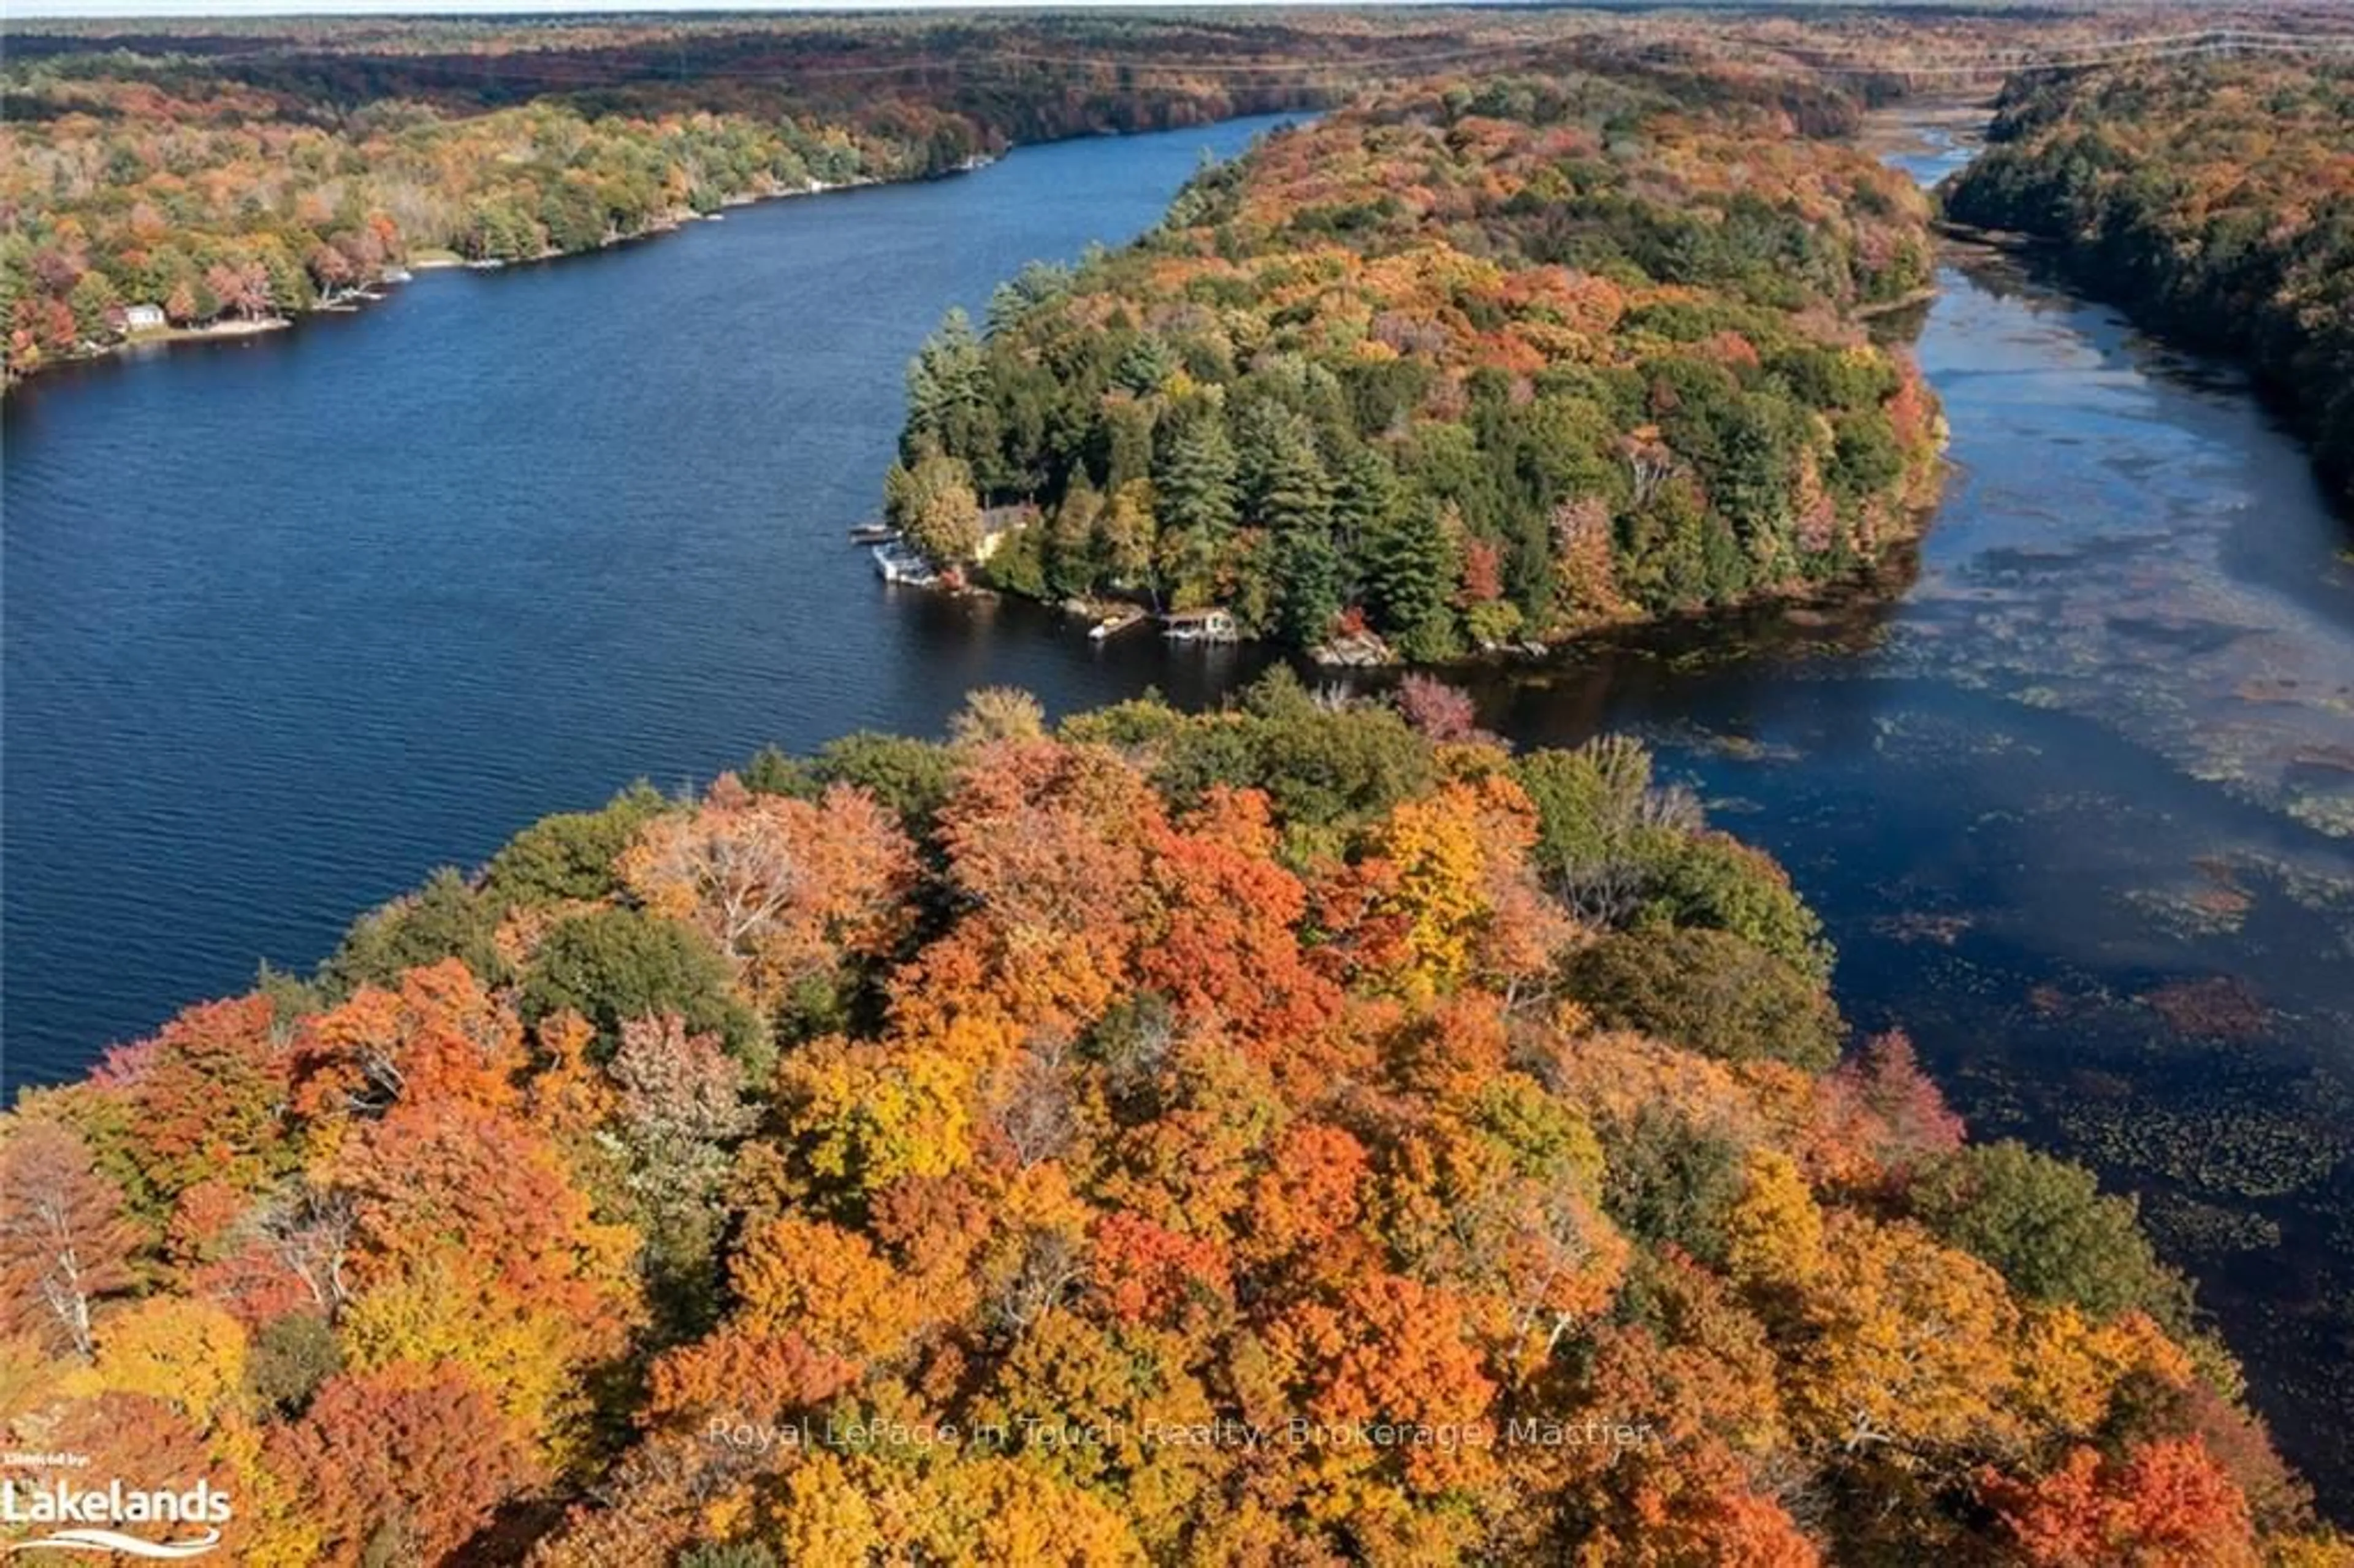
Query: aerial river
point(289, 622)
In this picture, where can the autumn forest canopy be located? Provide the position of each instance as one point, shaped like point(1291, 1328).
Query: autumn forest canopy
point(1308, 1131)
point(1297, 1133)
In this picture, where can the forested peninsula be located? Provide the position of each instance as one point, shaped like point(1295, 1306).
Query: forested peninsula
point(2214, 200)
point(1459, 366)
point(1294, 1134)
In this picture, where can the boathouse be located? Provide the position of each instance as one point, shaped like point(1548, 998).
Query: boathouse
point(1200, 626)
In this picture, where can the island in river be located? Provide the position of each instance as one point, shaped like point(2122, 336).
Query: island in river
point(2034, 855)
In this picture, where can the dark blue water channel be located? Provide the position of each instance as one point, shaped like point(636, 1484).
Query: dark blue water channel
point(289, 622)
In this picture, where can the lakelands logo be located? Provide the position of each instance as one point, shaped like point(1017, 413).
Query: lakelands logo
point(87, 1518)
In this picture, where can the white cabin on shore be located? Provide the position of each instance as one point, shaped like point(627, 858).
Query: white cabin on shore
point(143, 318)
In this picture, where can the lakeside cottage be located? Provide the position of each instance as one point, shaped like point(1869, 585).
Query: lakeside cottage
point(998, 524)
point(143, 318)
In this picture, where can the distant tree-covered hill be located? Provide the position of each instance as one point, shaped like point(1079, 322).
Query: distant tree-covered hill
point(235, 172)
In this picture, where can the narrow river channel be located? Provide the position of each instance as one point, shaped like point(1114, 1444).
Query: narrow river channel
point(289, 622)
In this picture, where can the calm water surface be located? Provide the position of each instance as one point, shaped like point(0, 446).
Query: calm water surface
point(290, 623)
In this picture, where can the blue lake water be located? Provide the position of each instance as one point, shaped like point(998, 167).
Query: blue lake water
point(290, 622)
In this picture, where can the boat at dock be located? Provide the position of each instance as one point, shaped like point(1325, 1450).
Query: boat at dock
point(897, 564)
point(872, 534)
point(1112, 625)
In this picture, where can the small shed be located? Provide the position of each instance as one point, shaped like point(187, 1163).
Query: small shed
point(143, 318)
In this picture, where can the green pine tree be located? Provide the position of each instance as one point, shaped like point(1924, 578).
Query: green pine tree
point(1193, 484)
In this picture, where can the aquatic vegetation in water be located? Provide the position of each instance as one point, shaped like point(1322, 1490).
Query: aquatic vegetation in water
point(2331, 896)
point(2249, 1146)
point(2184, 1223)
point(2224, 894)
point(2188, 912)
point(1922, 926)
point(1685, 735)
point(2051, 1000)
point(2215, 1006)
point(2333, 815)
point(1928, 738)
